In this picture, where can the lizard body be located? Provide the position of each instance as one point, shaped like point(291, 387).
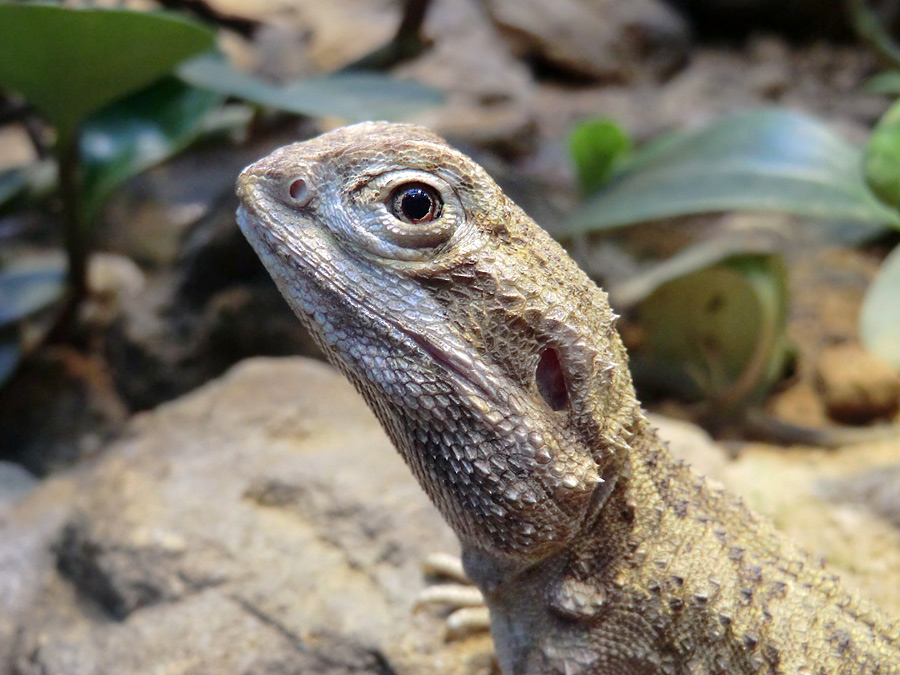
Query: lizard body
point(493, 363)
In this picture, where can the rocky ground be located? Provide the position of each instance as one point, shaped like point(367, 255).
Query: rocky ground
point(260, 522)
point(264, 524)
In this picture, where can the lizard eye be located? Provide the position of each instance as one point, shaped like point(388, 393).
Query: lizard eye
point(405, 213)
point(415, 203)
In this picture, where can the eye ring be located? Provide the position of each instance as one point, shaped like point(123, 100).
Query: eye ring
point(415, 202)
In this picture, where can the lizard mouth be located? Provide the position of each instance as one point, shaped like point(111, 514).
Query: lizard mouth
point(470, 375)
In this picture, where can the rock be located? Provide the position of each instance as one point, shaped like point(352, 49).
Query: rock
point(598, 39)
point(188, 326)
point(262, 524)
point(28, 527)
point(148, 218)
point(486, 105)
point(15, 483)
point(878, 490)
point(856, 387)
point(692, 444)
point(491, 104)
point(336, 33)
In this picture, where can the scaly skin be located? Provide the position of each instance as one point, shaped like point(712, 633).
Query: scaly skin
point(494, 365)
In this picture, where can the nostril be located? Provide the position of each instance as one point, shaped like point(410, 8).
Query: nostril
point(299, 191)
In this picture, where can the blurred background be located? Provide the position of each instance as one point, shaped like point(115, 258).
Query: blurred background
point(728, 170)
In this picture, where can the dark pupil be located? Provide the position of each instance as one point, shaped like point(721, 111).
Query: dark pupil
point(416, 204)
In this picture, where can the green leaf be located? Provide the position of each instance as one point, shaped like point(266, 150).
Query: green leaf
point(29, 286)
point(597, 148)
point(766, 160)
point(717, 333)
point(350, 96)
point(882, 159)
point(71, 62)
point(879, 322)
point(139, 132)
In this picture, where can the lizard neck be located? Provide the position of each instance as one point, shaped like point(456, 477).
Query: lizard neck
point(681, 577)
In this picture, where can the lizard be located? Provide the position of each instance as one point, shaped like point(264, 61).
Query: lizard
point(494, 365)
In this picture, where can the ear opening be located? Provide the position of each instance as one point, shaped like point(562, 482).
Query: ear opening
point(551, 380)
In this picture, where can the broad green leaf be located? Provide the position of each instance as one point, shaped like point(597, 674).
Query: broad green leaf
point(766, 160)
point(351, 96)
point(882, 160)
point(597, 147)
point(879, 322)
point(717, 333)
point(139, 132)
point(69, 62)
point(29, 286)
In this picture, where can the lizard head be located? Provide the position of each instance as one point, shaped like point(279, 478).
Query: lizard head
point(489, 357)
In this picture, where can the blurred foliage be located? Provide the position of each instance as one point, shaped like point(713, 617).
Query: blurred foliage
point(880, 317)
point(123, 92)
point(882, 158)
point(717, 333)
point(139, 132)
point(68, 63)
point(715, 328)
point(351, 96)
point(886, 83)
point(28, 286)
point(598, 147)
point(763, 160)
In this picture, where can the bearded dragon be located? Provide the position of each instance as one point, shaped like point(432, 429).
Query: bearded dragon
point(493, 363)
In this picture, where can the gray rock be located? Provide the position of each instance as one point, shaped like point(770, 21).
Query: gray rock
point(15, 483)
point(28, 527)
point(605, 39)
point(262, 524)
point(488, 90)
point(877, 489)
point(216, 308)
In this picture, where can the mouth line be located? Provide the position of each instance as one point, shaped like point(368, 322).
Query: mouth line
point(467, 376)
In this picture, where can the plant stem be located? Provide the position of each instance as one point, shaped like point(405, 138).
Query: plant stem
point(407, 43)
point(75, 229)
